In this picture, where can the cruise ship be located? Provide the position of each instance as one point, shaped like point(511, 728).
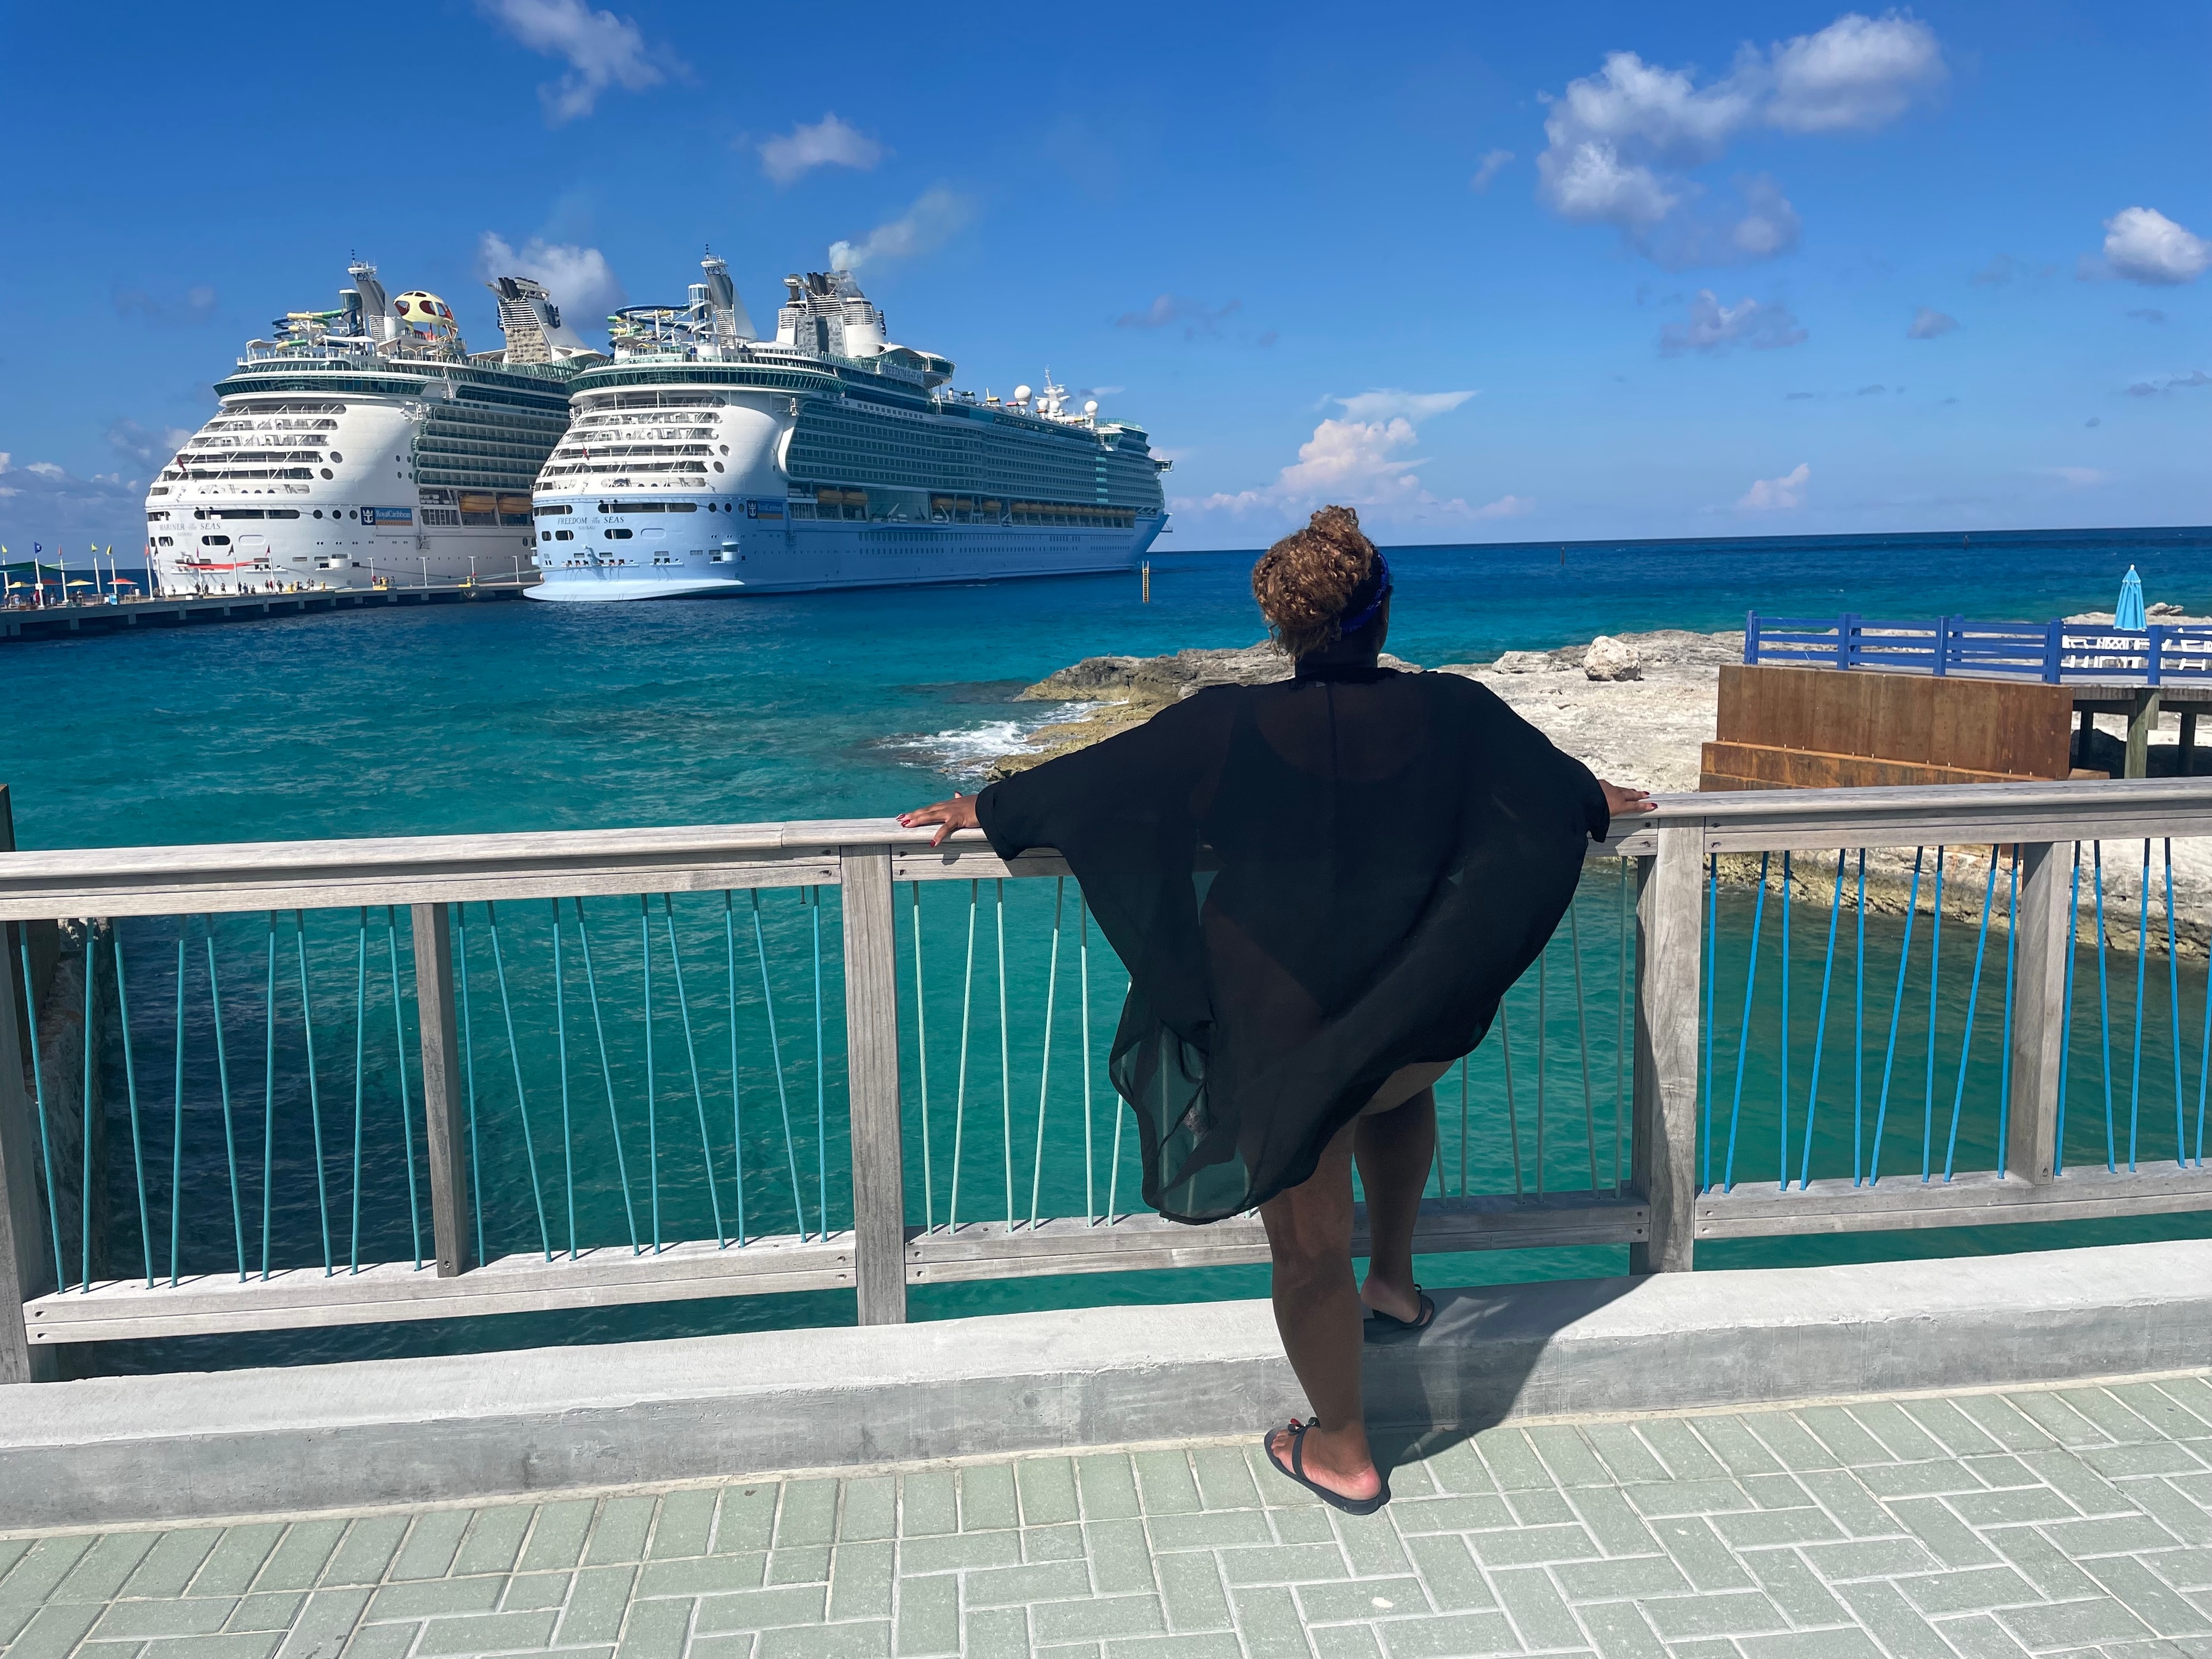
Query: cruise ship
point(367, 446)
point(705, 459)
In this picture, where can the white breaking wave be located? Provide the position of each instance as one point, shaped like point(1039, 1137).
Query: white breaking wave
point(970, 751)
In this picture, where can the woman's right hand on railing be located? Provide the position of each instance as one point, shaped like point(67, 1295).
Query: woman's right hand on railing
point(958, 813)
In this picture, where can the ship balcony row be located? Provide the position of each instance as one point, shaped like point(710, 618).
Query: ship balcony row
point(915, 506)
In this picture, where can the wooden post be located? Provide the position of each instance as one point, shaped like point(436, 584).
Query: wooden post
point(444, 1120)
point(1669, 965)
point(871, 1073)
point(2038, 1019)
point(24, 1255)
point(2141, 722)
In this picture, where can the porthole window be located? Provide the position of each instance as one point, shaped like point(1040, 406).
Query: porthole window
point(718, 466)
point(319, 512)
point(326, 472)
point(336, 457)
point(351, 513)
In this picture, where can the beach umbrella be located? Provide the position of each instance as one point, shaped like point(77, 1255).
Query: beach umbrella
point(2129, 613)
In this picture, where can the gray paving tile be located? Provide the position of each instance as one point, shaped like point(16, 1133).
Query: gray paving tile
point(1794, 1588)
point(951, 1552)
point(366, 1552)
point(169, 1565)
point(869, 1510)
point(1512, 1460)
point(1882, 1610)
point(1448, 1636)
point(620, 1532)
point(299, 1557)
point(1891, 1424)
point(1362, 1598)
point(1942, 1421)
point(556, 1536)
point(1947, 1538)
point(531, 1592)
point(2059, 1624)
point(1208, 1529)
point(1538, 1611)
point(1120, 1561)
point(1706, 1562)
point(213, 1647)
point(1677, 1446)
point(1269, 1619)
point(1371, 1545)
point(1165, 1482)
point(760, 1609)
point(597, 1604)
point(744, 1520)
point(658, 1629)
point(684, 1525)
point(427, 1553)
point(2141, 1591)
point(808, 1514)
point(1284, 1564)
point(1105, 1619)
point(493, 1540)
point(325, 1625)
point(235, 1561)
point(487, 1632)
point(54, 1630)
point(266, 1610)
point(1628, 1459)
point(1619, 1630)
point(1975, 1590)
point(1046, 1486)
point(2056, 1419)
point(1455, 1583)
point(1732, 1440)
point(1980, 1636)
point(139, 1621)
point(2003, 1422)
point(1841, 1644)
point(1191, 1592)
point(1568, 1458)
point(101, 1571)
point(1107, 1484)
point(1053, 1543)
point(929, 1616)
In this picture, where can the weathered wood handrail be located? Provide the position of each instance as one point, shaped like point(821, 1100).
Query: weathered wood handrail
point(1660, 1212)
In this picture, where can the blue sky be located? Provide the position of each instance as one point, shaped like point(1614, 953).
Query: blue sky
point(1490, 273)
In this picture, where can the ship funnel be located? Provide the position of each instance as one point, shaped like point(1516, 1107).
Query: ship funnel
point(383, 325)
point(726, 314)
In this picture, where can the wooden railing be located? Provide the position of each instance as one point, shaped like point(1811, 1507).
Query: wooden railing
point(764, 892)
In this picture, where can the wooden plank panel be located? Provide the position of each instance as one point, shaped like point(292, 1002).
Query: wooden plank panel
point(302, 1298)
point(1899, 1204)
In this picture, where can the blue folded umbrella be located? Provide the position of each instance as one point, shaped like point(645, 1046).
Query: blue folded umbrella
point(2129, 613)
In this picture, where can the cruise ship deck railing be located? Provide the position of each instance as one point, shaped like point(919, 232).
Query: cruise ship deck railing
point(2055, 652)
point(316, 1084)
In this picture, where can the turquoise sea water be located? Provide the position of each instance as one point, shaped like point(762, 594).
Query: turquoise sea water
point(522, 715)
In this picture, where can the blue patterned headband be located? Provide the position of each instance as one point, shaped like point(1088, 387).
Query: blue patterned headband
point(1366, 601)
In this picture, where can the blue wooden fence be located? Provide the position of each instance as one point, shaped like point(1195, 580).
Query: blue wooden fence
point(2052, 652)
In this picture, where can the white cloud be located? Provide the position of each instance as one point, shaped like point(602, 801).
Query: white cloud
point(935, 217)
point(2195, 377)
point(45, 503)
point(2079, 477)
point(47, 469)
point(828, 142)
point(144, 446)
point(1781, 494)
point(602, 51)
point(1716, 329)
point(1620, 142)
point(1493, 163)
point(582, 284)
point(1388, 402)
point(1506, 507)
point(1928, 323)
point(1859, 73)
point(1195, 317)
point(2144, 246)
point(1360, 459)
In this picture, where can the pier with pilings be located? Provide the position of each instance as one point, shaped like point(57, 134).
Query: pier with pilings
point(78, 620)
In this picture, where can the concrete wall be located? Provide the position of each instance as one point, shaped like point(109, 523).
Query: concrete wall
point(126, 1448)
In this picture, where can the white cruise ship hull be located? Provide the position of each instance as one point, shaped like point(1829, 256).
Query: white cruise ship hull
point(702, 555)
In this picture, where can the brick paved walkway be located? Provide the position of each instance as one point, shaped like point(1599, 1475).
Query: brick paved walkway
point(2073, 1521)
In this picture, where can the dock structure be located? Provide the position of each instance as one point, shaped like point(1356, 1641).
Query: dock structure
point(71, 621)
point(1938, 1454)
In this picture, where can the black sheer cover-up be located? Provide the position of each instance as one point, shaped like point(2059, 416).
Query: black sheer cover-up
point(1313, 884)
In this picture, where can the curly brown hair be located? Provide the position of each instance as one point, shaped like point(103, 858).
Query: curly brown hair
point(1304, 581)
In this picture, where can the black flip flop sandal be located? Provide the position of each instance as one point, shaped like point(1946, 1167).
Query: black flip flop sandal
point(1297, 1471)
point(1382, 1327)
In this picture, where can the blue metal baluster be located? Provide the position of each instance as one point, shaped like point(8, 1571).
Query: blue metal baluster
point(469, 1070)
point(1973, 1001)
point(314, 1088)
point(1621, 1041)
point(691, 1058)
point(522, 1097)
point(1896, 1008)
point(1934, 979)
point(1512, 1107)
point(359, 1077)
point(176, 1124)
point(737, 1089)
point(1713, 958)
point(2012, 958)
point(138, 1149)
point(1044, 1066)
point(2104, 1004)
point(39, 1096)
point(652, 1092)
point(84, 1183)
point(775, 1053)
point(1743, 1032)
point(960, 1088)
point(2066, 1025)
point(1113, 1176)
point(2142, 966)
point(1543, 1050)
point(1819, 1030)
point(821, 1075)
point(1581, 1032)
point(1083, 962)
point(606, 1070)
point(1858, 1031)
point(406, 1107)
point(921, 1057)
point(1462, 1124)
point(1005, 1070)
point(222, 1077)
point(2173, 1004)
point(269, 1097)
point(561, 1049)
point(1782, 1144)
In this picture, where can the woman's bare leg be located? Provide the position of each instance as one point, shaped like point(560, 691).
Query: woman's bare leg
point(1394, 1150)
point(1317, 1311)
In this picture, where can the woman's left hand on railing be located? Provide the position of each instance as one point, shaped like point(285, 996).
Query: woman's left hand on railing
point(958, 813)
point(1625, 803)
